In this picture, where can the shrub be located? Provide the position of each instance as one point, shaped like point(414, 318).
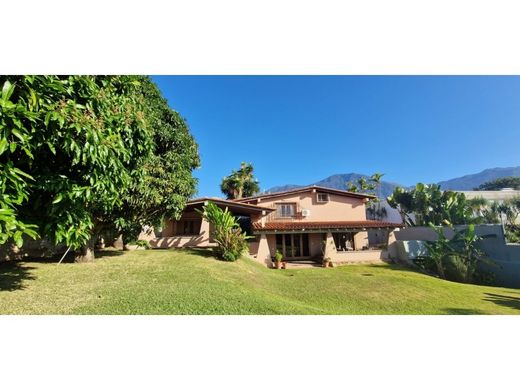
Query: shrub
point(231, 241)
point(278, 256)
point(457, 259)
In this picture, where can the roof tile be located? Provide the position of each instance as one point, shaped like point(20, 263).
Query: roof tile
point(314, 225)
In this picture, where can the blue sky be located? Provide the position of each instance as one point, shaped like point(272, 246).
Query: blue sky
point(301, 129)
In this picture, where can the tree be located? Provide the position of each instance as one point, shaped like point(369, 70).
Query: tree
point(372, 186)
point(167, 180)
point(241, 183)
point(428, 204)
point(80, 144)
point(15, 144)
point(226, 232)
point(498, 184)
point(484, 211)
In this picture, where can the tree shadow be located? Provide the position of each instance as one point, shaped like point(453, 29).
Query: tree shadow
point(203, 252)
point(399, 267)
point(13, 275)
point(503, 300)
point(101, 253)
point(461, 311)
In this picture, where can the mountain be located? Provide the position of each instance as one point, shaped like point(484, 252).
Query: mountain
point(339, 182)
point(470, 182)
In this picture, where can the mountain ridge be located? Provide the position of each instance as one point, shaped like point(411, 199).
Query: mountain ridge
point(462, 183)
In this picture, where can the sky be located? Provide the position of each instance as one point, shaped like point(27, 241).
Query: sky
point(301, 129)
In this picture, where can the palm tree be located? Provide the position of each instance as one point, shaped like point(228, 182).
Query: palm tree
point(241, 183)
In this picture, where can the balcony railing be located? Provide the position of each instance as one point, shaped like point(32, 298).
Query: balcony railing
point(276, 215)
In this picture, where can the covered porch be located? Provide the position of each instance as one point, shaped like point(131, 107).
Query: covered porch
point(342, 242)
point(191, 230)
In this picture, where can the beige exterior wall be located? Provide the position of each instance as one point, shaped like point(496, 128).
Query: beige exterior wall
point(360, 240)
point(170, 240)
point(358, 257)
point(338, 208)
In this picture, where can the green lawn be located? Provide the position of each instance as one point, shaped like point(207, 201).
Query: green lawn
point(192, 282)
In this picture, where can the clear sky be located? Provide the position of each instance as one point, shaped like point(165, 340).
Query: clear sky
point(301, 129)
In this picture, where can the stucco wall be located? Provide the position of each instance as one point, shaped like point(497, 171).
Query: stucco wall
point(357, 256)
point(425, 233)
point(338, 208)
point(506, 257)
point(172, 241)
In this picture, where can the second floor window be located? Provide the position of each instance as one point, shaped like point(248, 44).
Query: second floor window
point(323, 197)
point(285, 210)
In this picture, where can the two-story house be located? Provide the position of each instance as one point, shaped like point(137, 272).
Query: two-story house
point(304, 223)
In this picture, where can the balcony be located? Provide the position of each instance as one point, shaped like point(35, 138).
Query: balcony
point(285, 212)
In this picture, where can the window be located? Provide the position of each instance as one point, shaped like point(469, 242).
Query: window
point(188, 227)
point(344, 241)
point(293, 245)
point(285, 210)
point(323, 197)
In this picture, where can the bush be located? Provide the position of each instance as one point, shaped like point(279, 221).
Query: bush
point(231, 241)
point(457, 259)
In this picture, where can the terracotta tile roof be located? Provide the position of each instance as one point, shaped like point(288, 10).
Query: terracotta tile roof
point(318, 225)
point(306, 189)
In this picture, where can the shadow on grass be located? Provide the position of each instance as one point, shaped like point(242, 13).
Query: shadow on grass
point(461, 311)
point(203, 252)
point(399, 267)
point(503, 300)
point(101, 253)
point(55, 258)
point(13, 275)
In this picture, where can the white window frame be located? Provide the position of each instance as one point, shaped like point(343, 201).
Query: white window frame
point(280, 210)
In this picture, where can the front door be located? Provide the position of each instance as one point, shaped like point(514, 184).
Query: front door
point(293, 246)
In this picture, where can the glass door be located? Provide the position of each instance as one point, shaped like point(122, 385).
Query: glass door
point(293, 246)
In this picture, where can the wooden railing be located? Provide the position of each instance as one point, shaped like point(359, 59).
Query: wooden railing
point(275, 216)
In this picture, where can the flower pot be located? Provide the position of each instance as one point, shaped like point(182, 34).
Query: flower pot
point(326, 263)
point(278, 264)
point(284, 265)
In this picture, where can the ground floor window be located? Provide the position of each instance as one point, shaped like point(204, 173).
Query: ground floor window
point(188, 227)
point(344, 241)
point(293, 245)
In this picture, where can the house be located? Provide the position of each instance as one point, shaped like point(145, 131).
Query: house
point(304, 223)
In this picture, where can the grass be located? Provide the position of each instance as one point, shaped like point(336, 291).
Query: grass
point(193, 282)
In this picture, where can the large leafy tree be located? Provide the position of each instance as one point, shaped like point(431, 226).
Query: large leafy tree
point(240, 183)
point(167, 180)
point(77, 145)
point(498, 184)
point(428, 204)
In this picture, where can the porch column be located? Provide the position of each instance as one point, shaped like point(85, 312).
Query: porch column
point(391, 244)
point(264, 254)
point(330, 247)
point(360, 240)
point(204, 231)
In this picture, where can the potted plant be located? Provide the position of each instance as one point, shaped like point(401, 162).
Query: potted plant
point(278, 257)
point(326, 262)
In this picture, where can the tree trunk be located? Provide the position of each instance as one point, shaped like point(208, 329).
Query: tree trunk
point(85, 253)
